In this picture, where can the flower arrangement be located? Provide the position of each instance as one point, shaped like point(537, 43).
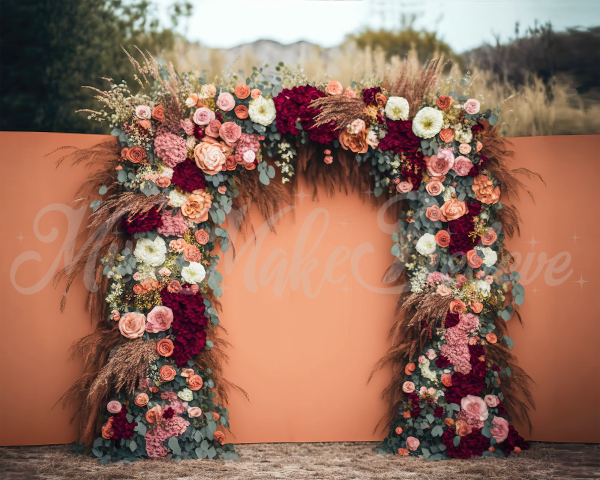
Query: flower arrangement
point(186, 148)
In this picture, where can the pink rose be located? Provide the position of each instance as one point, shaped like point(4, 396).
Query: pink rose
point(500, 430)
point(462, 166)
point(431, 391)
point(489, 279)
point(226, 102)
point(472, 106)
point(408, 387)
point(328, 159)
point(203, 116)
point(349, 93)
point(132, 325)
point(404, 187)
point(144, 112)
point(412, 443)
point(209, 157)
point(222, 189)
point(431, 354)
point(116, 315)
point(159, 319)
point(475, 406)
point(194, 412)
point(212, 129)
point(334, 88)
point(434, 188)
point(144, 384)
point(491, 400)
point(230, 132)
point(422, 359)
point(443, 290)
point(464, 148)
point(249, 156)
point(440, 164)
point(479, 146)
point(434, 214)
point(480, 274)
point(114, 406)
point(188, 126)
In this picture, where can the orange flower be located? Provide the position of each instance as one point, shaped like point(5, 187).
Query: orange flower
point(489, 237)
point(177, 245)
point(447, 135)
point(137, 289)
point(517, 450)
point(406, 414)
point(216, 416)
point(398, 430)
point(196, 207)
point(158, 113)
point(444, 102)
point(453, 209)
point(447, 379)
point(356, 143)
point(164, 347)
point(167, 373)
point(381, 100)
point(192, 254)
point(219, 437)
point(195, 382)
point(449, 421)
point(136, 154)
point(492, 449)
point(241, 111)
point(241, 91)
point(463, 428)
point(410, 367)
point(473, 259)
point(442, 238)
point(154, 389)
point(145, 124)
point(202, 236)
point(476, 306)
point(141, 400)
point(484, 190)
point(491, 338)
point(457, 306)
point(124, 152)
point(255, 93)
point(107, 430)
point(154, 415)
point(174, 287)
point(186, 372)
point(403, 452)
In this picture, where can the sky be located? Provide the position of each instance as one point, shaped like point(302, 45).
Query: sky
point(464, 24)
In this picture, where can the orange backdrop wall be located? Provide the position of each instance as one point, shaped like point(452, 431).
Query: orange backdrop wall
point(306, 311)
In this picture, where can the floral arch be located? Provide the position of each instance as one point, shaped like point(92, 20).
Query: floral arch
point(188, 151)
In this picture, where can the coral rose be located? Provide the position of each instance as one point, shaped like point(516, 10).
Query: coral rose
point(439, 165)
point(141, 400)
point(194, 412)
point(447, 135)
point(136, 154)
point(177, 245)
point(412, 443)
point(114, 406)
point(491, 338)
point(434, 213)
point(255, 93)
point(196, 207)
point(442, 238)
point(219, 437)
point(241, 91)
point(195, 382)
point(349, 92)
point(241, 112)
point(404, 187)
point(230, 163)
point(410, 367)
point(474, 260)
point(107, 430)
point(457, 306)
point(132, 325)
point(460, 280)
point(159, 319)
point(212, 129)
point(230, 132)
point(517, 450)
point(210, 157)
point(381, 100)
point(202, 236)
point(462, 166)
point(484, 190)
point(137, 289)
point(226, 102)
point(334, 88)
point(449, 421)
point(463, 428)
point(158, 113)
point(163, 182)
point(403, 452)
point(398, 430)
point(489, 237)
point(476, 306)
point(444, 102)
point(154, 415)
point(447, 379)
point(203, 116)
point(167, 373)
point(355, 143)
point(216, 416)
point(192, 254)
point(174, 287)
point(479, 146)
point(434, 188)
point(453, 209)
point(164, 347)
point(406, 414)
point(408, 387)
point(328, 159)
point(116, 315)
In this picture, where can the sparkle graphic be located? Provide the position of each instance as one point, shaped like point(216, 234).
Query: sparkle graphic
point(533, 242)
point(346, 289)
point(302, 195)
point(535, 290)
point(344, 223)
point(581, 281)
point(369, 192)
point(20, 237)
point(575, 237)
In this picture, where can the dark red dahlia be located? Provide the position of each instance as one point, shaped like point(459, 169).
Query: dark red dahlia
point(471, 383)
point(478, 127)
point(188, 177)
point(369, 95)
point(442, 361)
point(439, 412)
point(121, 427)
point(473, 444)
point(452, 320)
point(477, 169)
point(460, 241)
point(142, 222)
point(198, 132)
point(476, 351)
point(168, 413)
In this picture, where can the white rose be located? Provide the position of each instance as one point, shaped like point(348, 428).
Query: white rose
point(490, 257)
point(190, 102)
point(194, 273)
point(262, 111)
point(177, 198)
point(153, 253)
point(397, 108)
point(426, 244)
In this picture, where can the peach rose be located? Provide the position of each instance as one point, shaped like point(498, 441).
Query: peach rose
point(187, 372)
point(442, 238)
point(226, 102)
point(472, 106)
point(174, 287)
point(194, 412)
point(177, 245)
point(480, 274)
point(434, 213)
point(447, 135)
point(491, 338)
point(219, 437)
point(136, 154)
point(398, 430)
point(453, 209)
point(447, 379)
point(406, 414)
point(410, 367)
point(163, 182)
point(460, 280)
point(192, 254)
point(164, 347)
point(462, 166)
point(443, 290)
point(328, 159)
point(408, 387)
point(489, 237)
point(491, 400)
point(195, 382)
point(355, 143)
point(464, 148)
point(403, 452)
point(479, 146)
point(196, 207)
point(116, 315)
point(241, 112)
point(203, 116)
point(209, 90)
point(349, 92)
point(434, 188)
point(202, 236)
point(141, 400)
point(381, 100)
point(212, 129)
point(158, 113)
point(192, 100)
point(476, 306)
point(132, 325)
point(457, 306)
point(137, 289)
point(255, 93)
point(463, 428)
point(334, 88)
point(412, 443)
point(159, 319)
point(222, 189)
point(444, 102)
point(449, 421)
point(474, 260)
point(216, 416)
point(230, 163)
point(404, 187)
point(124, 152)
point(241, 91)
point(167, 373)
point(154, 415)
point(473, 340)
point(210, 157)
point(484, 190)
point(230, 132)
point(107, 430)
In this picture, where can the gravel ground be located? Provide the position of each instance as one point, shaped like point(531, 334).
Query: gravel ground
point(339, 461)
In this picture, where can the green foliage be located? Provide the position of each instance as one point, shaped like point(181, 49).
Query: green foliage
point(50, 50)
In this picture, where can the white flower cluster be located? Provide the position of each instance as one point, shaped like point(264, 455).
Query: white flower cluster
point(397, 108)
point(146, 271)
point(448, 192)
point(194, 273)
point(418, 279)
point(483, 288)
point(165, 171)
point(426, 244)
point(490, 256)
point(262, 111)
point(150, 252)
point(177, 198)
point(427, 122)
point(114, 295)
point(426, 371)
point(462, 135)
point(186, 395)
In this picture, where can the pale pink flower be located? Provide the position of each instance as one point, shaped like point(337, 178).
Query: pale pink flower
point(431, 354)
point(328, 159)
point(464, 148)
point(203, 116)
point(159, 319)
point(491, 400)
point(500, 429)
point(462, 166)
point(412, 443)
point(144, 112)
point(472, 106)
point(333, 88)
point(404, 187)
point(226, 102)
point(114, 406)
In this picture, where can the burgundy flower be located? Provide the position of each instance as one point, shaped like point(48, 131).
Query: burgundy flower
point(473, 444)
point(451, 320)
point(121, 427)
point(472, 383)
point(495, 368)
point(475, 351)
point(513, 440)
point(188, 177)
point(168, 413)
point(476, 169)
point(415, 412)
point(460, 241)
point(198, 132)
point(501, 409)
point(441, 361)
point(369, 95)
point(142, 222)
point(439, 412)
point(478, 127)
point(400, 139)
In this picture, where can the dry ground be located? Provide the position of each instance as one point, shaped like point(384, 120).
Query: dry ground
point(339, 461)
